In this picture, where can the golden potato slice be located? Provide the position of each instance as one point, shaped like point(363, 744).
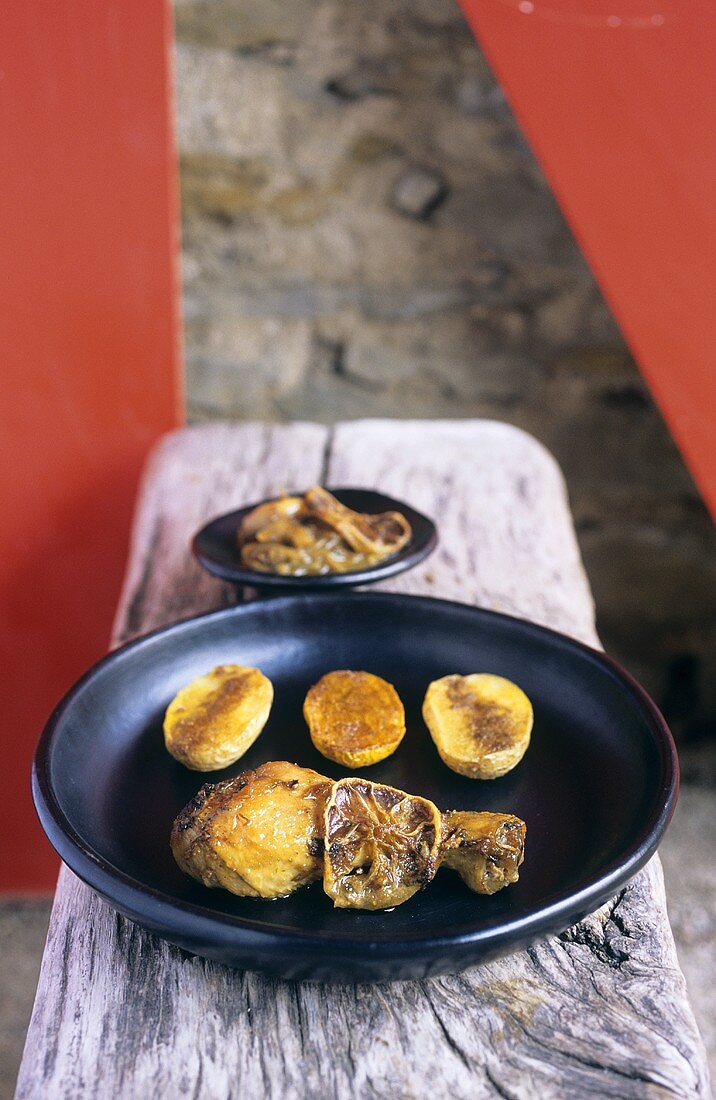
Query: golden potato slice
point(258, 835)
point(381, 844)
point(212, 721)
point(481, 724)
point(355, 718)
point(485, 849)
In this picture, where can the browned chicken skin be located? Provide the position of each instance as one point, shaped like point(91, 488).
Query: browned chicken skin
point(258, 835)
point(485, 849)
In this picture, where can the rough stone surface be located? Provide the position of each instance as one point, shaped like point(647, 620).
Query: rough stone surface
point(23, 927)
point(367, 233)
point(418, 193)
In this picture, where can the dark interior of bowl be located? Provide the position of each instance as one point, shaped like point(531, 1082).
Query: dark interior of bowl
point(595, 788)
point(216, 546)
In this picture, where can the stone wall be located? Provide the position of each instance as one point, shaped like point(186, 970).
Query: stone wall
point(366, 233)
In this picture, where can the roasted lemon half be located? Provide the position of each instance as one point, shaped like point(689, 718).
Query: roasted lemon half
point(212, 721)
point(258, 835)
point(381, 844)
point(355, 718)
point(485, 849)
point(481, 724)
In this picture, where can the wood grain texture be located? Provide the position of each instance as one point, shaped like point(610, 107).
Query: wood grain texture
point(601, 1010)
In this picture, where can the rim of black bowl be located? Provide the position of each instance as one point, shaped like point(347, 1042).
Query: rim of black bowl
point(153, 908)
point(416, 550)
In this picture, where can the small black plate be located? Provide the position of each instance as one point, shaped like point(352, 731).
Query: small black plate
point(215, 546)
point(597, 786)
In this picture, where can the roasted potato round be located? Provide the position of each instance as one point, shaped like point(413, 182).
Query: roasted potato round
point(485, 849)
point(381, 844)
point(481, 724)
point(258, 835)
point(354, 718)
point(212, 721)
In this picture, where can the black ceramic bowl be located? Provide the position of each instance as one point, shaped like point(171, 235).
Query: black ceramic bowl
point(216, 548)
point(597, 786)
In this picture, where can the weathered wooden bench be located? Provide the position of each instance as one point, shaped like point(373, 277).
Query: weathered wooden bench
point(601, 1010)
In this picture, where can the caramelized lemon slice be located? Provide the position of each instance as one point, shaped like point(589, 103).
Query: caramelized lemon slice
point(381, 844)
point(481, 724)
point(485, 849)
point(382, 534)
point(355, 718)
point(212, 721)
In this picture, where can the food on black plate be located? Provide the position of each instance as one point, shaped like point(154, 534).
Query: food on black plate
point(315, 535)
point(481, 724)
point(212, 721)
point(485, 849)
point(258, 835)
point(278, 827)
point(355, 718)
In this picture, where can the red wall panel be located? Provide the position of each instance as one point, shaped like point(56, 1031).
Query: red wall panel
point(618, 100)
point(89, 347)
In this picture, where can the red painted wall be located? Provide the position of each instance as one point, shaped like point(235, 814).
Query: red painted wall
point(618, 100)
point(89, 348)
